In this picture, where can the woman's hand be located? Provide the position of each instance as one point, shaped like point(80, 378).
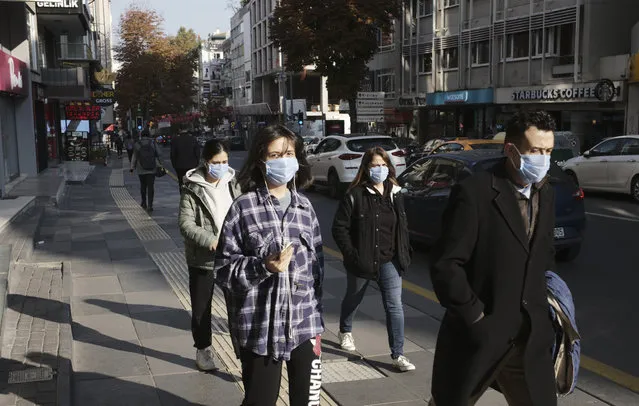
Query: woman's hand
point(213, 246)
point(278, 263)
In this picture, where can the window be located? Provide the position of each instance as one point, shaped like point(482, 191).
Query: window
point(328, 145)
point(385, 40)
point(426, 63)
point(480, 53)
point(449, 58)
point(630, 146)
point(451, 3)
point(425, 7)
point(517, 45)
point(551, 42)
point(364, 144)
point(605, 148)
point(385, 81)
point(415, 176)
point(32, 26)
point(444, 174)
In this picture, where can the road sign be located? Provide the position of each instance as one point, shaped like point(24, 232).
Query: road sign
point(370, 103)
point(370, 118)
point(370, 111)
point(370, 95)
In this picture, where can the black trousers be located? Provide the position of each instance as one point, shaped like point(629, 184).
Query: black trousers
point(147, 188)
point(201, 284)
point(262, 376)
point(180, 173)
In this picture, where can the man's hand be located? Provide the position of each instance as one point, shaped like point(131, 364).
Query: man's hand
point(278, 263)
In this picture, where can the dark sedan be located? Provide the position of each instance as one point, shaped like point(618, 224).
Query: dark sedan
point(427, 183)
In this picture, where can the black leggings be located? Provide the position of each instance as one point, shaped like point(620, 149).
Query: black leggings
point(262, 376)
point(147, 188)
point(201, 284)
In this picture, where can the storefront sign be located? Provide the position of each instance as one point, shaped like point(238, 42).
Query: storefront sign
point(478, 96)
point(82, 111)
point(417, 101)
point(59, 4)
point(456, 97)
point(602, 91)
point(103, 97)
point(13, 75)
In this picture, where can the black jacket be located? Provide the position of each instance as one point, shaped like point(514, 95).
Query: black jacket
point(355, 232)
point(185, 152)
point(485, 262)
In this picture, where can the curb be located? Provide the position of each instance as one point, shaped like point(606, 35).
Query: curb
point(65, 355)
point(5, 265)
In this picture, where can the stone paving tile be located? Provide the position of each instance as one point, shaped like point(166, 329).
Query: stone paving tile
point(113, 358)
point(95, 305)
point(170, 355)
point(124, 244)
point(131, 391)
point(369, 392)
point(198, 389)
point(121, 254)
point(98, 285)
point(103, 327)
point(143, 281)
point(140, 302)
point(81, 267)
point(166, 323)
point(141, 264)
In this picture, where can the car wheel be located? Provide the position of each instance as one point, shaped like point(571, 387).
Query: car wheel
point(333, 185)
point(568, 254)
point(634, 188)
point(573, 176)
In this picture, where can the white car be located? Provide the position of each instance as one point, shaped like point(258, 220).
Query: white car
point(337, 158)
point(610, 166)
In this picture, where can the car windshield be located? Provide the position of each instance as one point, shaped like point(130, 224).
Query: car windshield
point(496, 147)
point(364, 144)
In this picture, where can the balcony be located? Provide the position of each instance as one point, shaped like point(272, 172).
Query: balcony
point(77, 52)
point(564, 66)
point(66, 83)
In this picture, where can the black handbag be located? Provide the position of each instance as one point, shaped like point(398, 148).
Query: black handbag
point(159, 172)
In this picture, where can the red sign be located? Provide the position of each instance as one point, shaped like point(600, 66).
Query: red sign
point(82, 111)
point(13, 75)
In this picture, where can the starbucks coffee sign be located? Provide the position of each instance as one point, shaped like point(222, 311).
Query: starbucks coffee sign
point(603, 91)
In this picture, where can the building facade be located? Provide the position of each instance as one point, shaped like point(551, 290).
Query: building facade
point(462, 67)
point(241, 58)
point(211, 67)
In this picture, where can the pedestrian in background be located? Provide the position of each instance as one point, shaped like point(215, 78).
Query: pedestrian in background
point(146, 159)
point(129, 144)
point(207, 195)
point(488, 271)
point(185, 154)
point(371, 231)
point(270, 262)
point(119, 144)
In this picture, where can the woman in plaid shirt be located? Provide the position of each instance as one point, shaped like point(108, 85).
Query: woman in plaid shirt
point(270, 264)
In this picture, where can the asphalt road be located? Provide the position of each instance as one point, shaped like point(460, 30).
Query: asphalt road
point(603, 280)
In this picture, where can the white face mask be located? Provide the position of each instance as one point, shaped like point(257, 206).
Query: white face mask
point(533, 168)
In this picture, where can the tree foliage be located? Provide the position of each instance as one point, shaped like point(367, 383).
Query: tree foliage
point(214, 112)
point(339, 37)
point(156, 70)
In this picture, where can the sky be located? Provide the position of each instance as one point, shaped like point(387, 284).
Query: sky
point(204, 16)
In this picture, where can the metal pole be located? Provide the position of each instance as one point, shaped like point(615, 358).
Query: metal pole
point(577, 43)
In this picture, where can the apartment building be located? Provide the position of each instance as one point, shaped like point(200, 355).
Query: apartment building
point(464, 66)
point(211, 67)
point(241, 57)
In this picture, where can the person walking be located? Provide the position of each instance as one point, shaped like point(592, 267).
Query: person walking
point(371, 231)
point(488, 271)
point(270, 263)
point(119, 144)
point(129, 144)
point(209, 191)
point(146, 159)
point(185, 154)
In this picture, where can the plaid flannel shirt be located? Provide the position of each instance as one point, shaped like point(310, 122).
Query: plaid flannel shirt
point(271, 314)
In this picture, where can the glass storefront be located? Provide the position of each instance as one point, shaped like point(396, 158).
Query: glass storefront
point(8, 132)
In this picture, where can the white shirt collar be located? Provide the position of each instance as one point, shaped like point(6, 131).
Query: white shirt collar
point(524, 190)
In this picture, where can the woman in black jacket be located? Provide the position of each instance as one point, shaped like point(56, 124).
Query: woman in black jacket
point(371, 231)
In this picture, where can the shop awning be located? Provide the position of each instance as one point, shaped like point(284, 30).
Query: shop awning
point(258, 109)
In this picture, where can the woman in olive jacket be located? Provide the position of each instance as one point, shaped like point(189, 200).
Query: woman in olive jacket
point(207, 195)
point(370, 229)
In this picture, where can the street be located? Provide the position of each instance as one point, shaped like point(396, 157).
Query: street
point(602, 279)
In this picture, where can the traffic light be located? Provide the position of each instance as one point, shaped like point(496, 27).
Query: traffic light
point(300, 118)
point(139, 122)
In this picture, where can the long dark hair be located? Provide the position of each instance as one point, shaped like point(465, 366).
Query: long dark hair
point(363, 177)
point(252, 174)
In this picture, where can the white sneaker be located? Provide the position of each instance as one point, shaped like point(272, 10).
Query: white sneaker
point(346, 341)
point(204, 359)
point(403, 364)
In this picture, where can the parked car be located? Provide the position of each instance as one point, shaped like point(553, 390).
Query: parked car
point(610, 166)
point(428, 147)
point(426, 186)
point(337, 158)
point(468, 145)
point(310, 143)
point(236, 142)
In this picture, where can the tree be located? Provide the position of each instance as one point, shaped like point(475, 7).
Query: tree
point(214, 113)
point(157, 71)
point(339, 37)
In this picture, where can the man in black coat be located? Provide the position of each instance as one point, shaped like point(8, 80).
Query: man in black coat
point(488, 272)
point(185, 154)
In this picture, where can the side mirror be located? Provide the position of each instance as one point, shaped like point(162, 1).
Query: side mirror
point(587, 154)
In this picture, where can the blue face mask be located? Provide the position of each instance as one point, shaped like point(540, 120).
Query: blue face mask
point(378, 174)
point(533, 168)
point(280, 171)
point(217, 171)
